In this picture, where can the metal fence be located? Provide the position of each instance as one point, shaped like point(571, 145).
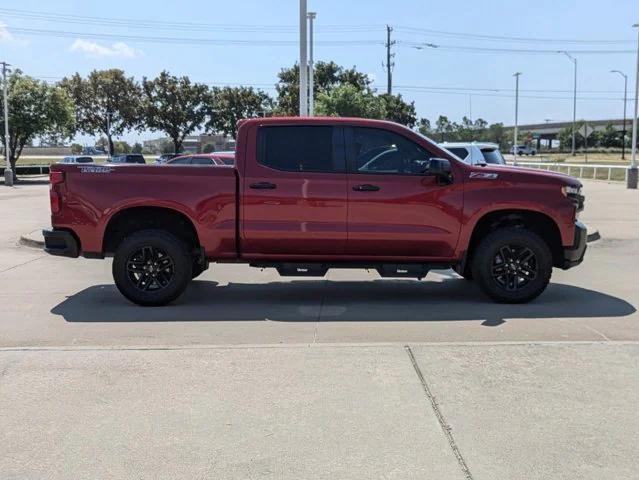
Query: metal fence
point(615, 173)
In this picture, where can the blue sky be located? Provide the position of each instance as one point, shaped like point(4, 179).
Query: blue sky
point(445, 78)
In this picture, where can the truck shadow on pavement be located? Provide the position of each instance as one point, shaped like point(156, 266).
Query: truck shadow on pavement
point(348, 301)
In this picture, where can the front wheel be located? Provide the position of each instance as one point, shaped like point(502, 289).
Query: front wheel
point(512, 265)
point(152, 267)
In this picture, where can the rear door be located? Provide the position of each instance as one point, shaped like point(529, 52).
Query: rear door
point(396, 207)
point(294, 199)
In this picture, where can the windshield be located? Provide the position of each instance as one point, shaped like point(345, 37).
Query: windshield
point(493, 156)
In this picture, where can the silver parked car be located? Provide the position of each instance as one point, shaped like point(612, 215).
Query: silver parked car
point(476, 153)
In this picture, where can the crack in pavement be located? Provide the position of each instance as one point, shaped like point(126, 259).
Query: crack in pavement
point(23, 263)
point(440, 416)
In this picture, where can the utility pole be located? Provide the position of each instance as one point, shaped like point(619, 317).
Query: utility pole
point(574, 100)
point(632, 171)
point(311, 66)
point(625, 101)
point(8, 174)
point(516, 75)
point(303, 60)
point(389, 56)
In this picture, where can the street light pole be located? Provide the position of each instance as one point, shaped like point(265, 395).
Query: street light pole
point(311, 66)
point(632, 171)
point(574, 100)
point(625, 101)
point(303, 61)
point(516, 75)
point(8, 173)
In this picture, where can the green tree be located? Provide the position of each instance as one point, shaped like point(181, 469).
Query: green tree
point(326, 76)
point(76, 148)
point(175, 106)
point(35, 109)
point(349, 101)
point(106, 103)
point(424, 127)
point(397, 110)
point(120, 146)
point(610, 137)
point(231, 104)
point(137, 148)
point(443, 127)
point(565, 136)
point(496, 133)
point(208, 148)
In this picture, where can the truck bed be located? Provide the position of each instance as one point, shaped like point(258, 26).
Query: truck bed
point(93, 194)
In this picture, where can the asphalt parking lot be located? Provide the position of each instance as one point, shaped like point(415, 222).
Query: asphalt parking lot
point(253, 375)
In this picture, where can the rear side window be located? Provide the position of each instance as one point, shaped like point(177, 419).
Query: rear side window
point(136, 159)
point(461, 152)
point(301, 148)
point(493, 155)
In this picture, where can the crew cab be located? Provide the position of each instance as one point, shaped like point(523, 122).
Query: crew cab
point(310, 194)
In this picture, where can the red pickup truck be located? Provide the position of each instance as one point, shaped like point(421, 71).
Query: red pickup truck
point(310, 194)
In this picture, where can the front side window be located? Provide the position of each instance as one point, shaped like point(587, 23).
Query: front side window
point(373, 150)
point(85, 160)
point(300, 149)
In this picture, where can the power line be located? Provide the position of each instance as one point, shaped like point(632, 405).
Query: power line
point(525, 51)
point(476, 36)
point(173, 25)
point(184, 40)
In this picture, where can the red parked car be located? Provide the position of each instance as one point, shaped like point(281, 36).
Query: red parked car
point(309, 194)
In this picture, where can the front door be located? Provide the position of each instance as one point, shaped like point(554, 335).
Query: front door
point(396, 208)
point(294, 199)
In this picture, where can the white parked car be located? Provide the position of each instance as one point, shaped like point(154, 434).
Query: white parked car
point(523, 150)
point(476, 153)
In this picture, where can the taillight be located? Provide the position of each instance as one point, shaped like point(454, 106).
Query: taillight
point(55, 178)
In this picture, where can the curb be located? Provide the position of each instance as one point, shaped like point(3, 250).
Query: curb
point(32, 240)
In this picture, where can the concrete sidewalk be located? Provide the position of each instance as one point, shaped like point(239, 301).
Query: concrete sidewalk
point(321, 412)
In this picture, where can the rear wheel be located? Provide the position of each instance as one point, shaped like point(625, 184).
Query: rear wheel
point(512, 265)
point(152, 267)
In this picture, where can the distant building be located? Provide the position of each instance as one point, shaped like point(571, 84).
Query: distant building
point(546, 133)
point(194, 143)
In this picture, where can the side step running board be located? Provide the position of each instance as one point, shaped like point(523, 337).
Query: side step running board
point(385, 270)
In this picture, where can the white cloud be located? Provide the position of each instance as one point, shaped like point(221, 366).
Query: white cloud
point(5, 34)
point(94, 49)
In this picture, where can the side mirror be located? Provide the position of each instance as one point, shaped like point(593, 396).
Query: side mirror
point(439, 167)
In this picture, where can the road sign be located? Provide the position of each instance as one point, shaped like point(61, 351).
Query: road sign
point(585, 130)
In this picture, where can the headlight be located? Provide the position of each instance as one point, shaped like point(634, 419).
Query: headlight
point(569, 190)
point(574, 195)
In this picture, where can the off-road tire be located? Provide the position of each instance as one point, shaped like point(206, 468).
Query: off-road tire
point(172, 261)
point(530, 279)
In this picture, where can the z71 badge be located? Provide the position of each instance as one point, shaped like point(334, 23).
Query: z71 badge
point(484, 175)
point(96, 169)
